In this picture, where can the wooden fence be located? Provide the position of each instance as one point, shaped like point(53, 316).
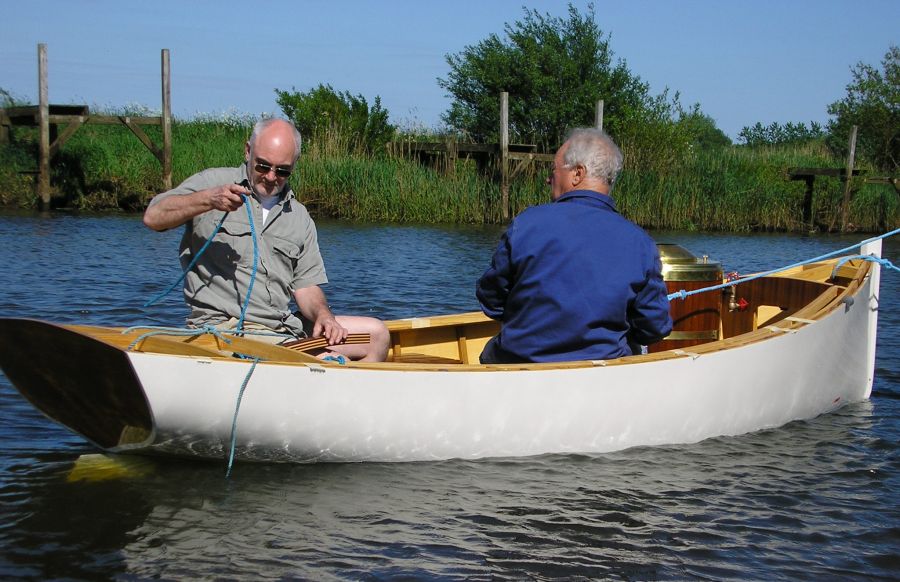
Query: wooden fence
point(48, 118)
point(511, 158)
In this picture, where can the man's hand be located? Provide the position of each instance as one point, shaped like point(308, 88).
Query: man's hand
point(314, 307)
point(328, 327)
point(227, 197)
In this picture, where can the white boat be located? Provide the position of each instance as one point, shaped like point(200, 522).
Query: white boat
point(786, 346)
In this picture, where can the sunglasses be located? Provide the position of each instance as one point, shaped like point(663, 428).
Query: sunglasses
point(264, 168)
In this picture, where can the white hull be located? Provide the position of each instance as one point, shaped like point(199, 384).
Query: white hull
point(300, 414)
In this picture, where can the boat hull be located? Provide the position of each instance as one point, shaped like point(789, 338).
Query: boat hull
point(295, 413)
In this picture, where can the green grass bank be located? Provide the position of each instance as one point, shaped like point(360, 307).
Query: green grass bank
point(723, 189)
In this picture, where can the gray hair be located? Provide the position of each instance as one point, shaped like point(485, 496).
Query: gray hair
point(261, 126)
point(596, 151)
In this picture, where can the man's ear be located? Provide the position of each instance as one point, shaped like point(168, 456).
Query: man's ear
point(579, 173)
point(247, 151)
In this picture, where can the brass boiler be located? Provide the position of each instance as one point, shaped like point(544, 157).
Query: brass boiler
point(696, 318)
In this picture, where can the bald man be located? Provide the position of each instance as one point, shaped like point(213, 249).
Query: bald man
point(289, 266)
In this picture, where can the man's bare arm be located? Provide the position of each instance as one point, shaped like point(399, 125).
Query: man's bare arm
point(314, 307)
point(176, 210)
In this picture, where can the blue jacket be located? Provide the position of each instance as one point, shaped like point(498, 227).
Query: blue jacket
point(573, 280)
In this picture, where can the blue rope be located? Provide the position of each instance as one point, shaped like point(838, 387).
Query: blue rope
point(682, 294)
point(191, 264)
point(240, 323)
point(238, 329)
point(237, 408)
point(200, 331)
point(154, 330)
point(881, 261)
point(220, 333)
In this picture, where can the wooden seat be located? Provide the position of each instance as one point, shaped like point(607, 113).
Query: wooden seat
point(316, 343)
point(412, 358)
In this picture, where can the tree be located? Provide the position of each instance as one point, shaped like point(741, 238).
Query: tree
point(873, 104)
point(555, 70)
point(777, 134)
point(702, 129)
point(322, 110)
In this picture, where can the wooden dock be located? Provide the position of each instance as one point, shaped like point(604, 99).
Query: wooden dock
point(846, 175)
point(49, 118)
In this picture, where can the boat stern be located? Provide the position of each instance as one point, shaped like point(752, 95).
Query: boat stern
point(78, 381)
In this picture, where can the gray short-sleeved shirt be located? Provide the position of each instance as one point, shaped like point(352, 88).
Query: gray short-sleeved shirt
point(288, 257)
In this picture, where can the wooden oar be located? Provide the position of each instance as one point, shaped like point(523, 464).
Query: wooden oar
point(313, 343)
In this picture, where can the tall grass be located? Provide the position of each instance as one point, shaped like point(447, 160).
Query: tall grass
point(727, 189)
point(741, 189)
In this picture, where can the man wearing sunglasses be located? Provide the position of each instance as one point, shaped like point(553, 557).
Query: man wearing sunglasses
point(288, 264)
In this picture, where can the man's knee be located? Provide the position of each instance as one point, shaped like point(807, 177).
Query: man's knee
point(379, 336)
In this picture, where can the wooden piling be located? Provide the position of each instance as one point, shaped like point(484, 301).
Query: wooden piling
point(512, 158)
point(598, 115)
point(808, 218)
point(43, 185)
point(166, 122)
point(504, 156)
point(848, 181)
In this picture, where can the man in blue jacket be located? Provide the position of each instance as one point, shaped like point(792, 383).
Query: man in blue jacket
point(573, 279)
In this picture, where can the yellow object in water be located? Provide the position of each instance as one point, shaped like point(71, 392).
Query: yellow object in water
point(100, 467)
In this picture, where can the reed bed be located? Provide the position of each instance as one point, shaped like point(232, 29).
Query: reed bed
point(726, 189)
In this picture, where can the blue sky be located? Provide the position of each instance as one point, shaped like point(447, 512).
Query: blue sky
point(744, 62)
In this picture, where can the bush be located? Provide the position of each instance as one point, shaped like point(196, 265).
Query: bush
point(324, 114)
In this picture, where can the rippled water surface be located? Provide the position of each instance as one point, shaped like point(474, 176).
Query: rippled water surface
point(810, 500)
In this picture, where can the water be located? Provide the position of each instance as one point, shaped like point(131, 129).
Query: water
point(810, 500)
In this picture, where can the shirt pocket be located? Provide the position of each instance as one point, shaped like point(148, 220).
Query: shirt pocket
point(287, 256)
point(233, 244)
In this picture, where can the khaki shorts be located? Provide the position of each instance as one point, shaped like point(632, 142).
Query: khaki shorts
point(259, 332)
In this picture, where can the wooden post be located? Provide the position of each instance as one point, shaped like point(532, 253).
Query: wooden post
point(504, 156)
point(452, 156)
point(598, 116)
point(166, 122)
point(43, 185)
point(4, 127)
point(848, 179)
point(807, 204)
